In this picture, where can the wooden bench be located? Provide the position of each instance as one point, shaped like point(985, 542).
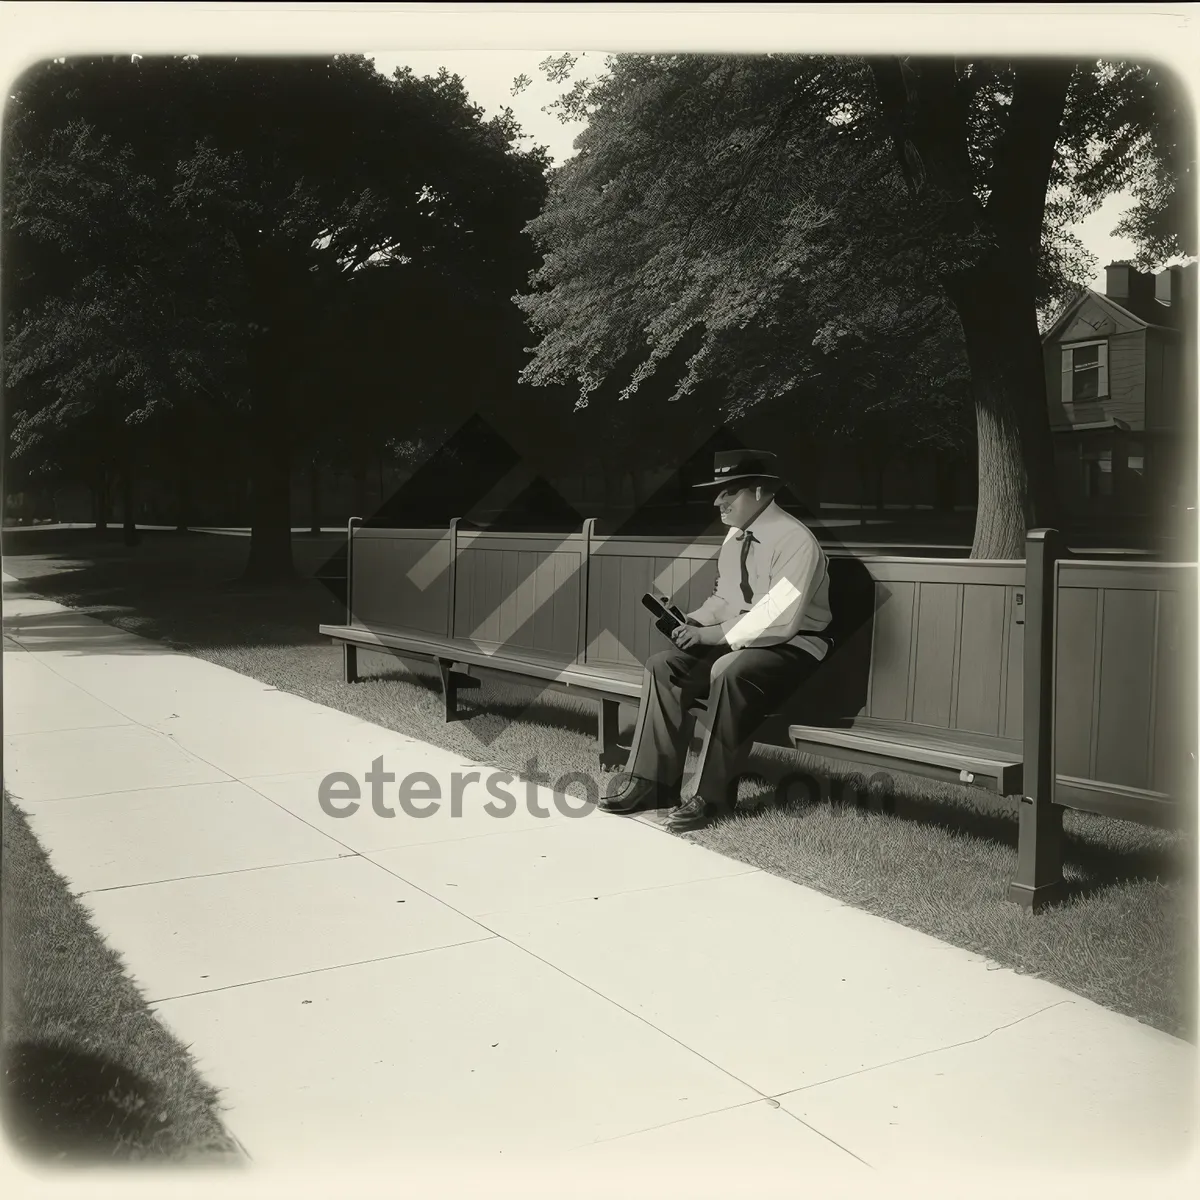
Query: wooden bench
point(461, 667)
point(972, 672)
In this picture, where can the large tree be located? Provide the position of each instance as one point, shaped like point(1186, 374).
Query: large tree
point(297, 178)
point(813, 216)
point(102, 308)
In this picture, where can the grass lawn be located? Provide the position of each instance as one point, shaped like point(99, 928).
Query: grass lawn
point(90, 1075)
point(1126, 937)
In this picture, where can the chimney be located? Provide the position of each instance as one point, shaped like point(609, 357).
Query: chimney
point(1167, 285)
point(1117, 281)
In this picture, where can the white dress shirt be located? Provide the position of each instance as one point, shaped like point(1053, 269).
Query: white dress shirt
point(789, 586)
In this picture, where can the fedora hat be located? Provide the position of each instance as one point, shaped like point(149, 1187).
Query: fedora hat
point(729, 466)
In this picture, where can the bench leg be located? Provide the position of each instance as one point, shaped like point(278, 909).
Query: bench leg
point(611, 755)
point(1039, 882)
point(350, 662)
point(449, 689)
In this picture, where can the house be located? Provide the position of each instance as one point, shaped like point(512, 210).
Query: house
point(1121, 387)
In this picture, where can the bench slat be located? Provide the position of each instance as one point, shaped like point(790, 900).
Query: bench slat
point(908, 750)
point(607, 680)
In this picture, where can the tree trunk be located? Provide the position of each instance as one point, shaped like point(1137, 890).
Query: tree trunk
point(270, 502)
point(995, 304)
point(314, 496)
point(183, 502)
point(101, 498)
point(927, 110)
point(864, 471)
point(613, 478)
point(944, 473)
point(129, 529)
point(358, 472)
point(639, 488)
point(183, 478)
point(183, 494)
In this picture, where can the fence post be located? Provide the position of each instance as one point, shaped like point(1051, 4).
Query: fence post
point(1039, 880)
point(350, 651)
point(453, 575)
point(585, 578)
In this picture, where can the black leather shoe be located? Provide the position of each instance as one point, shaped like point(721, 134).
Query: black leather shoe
point(635, 795)
point(694, 814)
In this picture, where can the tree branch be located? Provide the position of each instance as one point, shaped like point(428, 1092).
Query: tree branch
point(1024, 155)
point(893, 106)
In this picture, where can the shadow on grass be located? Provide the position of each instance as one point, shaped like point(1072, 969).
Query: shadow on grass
point(71, 1105)
point(488, 713)
point(182, 589)
point(1099, 853)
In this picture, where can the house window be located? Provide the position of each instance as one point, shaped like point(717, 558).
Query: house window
point(1084, 372)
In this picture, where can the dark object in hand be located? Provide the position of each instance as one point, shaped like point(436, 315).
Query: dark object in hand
point(668, 618)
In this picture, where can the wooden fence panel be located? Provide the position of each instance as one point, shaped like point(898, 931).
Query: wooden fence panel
point(1125, 686)
point(401, 580)
point(947, 638)
point(621, 570)
point(519, 591)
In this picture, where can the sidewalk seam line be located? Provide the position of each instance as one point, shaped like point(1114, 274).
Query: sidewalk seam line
point(159, 787)
point(301, 862)
point(69, 729)
point(360, 962)
point(714, 1112)
point(921, 1053)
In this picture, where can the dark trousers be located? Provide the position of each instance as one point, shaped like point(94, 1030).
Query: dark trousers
point(738, 688)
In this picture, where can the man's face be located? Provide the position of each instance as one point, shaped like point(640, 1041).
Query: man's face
point(737, 505)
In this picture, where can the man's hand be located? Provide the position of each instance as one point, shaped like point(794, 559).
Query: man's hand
point(686, 636)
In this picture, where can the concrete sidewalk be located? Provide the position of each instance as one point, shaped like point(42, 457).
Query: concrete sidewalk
point(584, 990)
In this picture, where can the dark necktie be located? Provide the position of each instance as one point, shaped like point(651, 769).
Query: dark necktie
point(747, 592)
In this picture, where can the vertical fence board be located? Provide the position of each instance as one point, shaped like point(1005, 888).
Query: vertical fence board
point(546, 586)
point(1170, 703)
point(568, 577)
point(933, 674)
point(981, 658)
point(1014, 673)
point(633, 583)
point(509, 583)
point(888, 698)
point(1076, 671)
point(610, 600)
point(1123, 723)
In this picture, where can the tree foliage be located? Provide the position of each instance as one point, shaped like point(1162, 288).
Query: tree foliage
point(863, 237)
point(238, 229)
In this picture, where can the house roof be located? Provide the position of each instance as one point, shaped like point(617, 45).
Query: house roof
point(1073, 306)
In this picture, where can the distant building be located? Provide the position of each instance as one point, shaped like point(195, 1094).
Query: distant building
point(1121, 385)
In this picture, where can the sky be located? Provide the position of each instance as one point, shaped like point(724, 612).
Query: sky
point(488, 76)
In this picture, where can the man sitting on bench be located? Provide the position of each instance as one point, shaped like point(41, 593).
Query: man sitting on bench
point(742, 651)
